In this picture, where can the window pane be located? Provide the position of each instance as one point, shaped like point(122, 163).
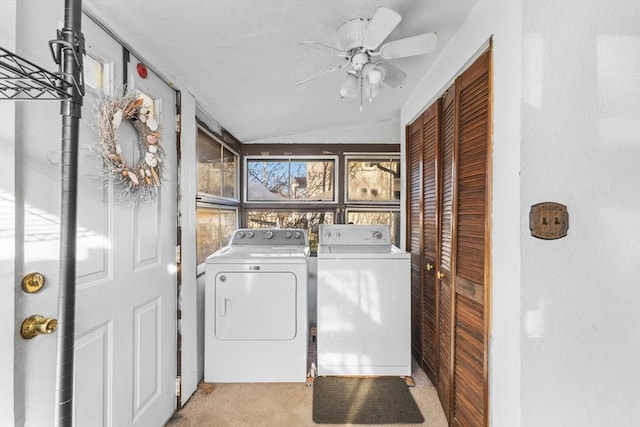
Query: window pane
point(378, 217)
point(290, 180)
point(229, 167)
point(213, 230)
point(373, 180)
point(93, 73)
point(286, 219)
point(312, 180)
point(209, 165)
point(268, 180)
point(228, 224)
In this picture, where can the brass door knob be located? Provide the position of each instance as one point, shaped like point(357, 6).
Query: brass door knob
point(36, 325)
point(440, 274)
point(32, 282)
point(429, 266)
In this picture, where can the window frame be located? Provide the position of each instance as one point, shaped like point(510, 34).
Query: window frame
point(289, 202)
point(214, 202)
point(369, 156)
point(213, 198)
point(217, 207)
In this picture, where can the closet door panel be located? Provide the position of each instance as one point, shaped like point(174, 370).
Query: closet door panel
point(470, 353)
point(430, 138)
point(443, 384)
point(414, 227)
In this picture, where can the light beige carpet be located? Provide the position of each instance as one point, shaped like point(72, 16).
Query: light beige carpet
point(281, 405)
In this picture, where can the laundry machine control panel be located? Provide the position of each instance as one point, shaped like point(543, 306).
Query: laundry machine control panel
point(270, 236)
point(355, 234)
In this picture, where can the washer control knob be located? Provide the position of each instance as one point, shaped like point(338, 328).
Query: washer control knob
point(298, 234)
point(268, 234)
point(241, 234)
point(377, 234)
point(287, 234)
point(249, 234)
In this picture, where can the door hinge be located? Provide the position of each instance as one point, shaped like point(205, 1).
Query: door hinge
point(178, 385)
point(178, 123)
point(178, 254)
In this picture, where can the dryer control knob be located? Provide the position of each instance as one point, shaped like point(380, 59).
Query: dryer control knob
point(287, 234)
point(377, 234)
point(250, 234)
point(298, 234)
point(268, 234)
point(241, 234)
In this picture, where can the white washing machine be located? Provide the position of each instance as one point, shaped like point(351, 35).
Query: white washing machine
point(364, 302)
point(256, 325)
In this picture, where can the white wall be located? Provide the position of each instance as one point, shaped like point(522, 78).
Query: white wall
point(566, 111)
point(7, 219)
point(581, 147)
point(502, 21)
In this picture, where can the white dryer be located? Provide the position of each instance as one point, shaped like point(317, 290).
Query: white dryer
point(364, 302)
point(256, 325)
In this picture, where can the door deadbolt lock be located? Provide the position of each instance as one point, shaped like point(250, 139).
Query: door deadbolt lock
point(36, 325)
point(33, 282)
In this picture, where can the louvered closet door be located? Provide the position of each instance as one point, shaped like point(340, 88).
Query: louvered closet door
point(470, 340)
point(430, 137)
point(443, 384)
point(414, 138)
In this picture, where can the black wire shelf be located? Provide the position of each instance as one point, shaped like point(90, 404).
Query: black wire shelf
point(23, 80)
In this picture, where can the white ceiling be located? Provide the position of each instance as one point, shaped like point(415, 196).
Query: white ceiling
point(241, 60)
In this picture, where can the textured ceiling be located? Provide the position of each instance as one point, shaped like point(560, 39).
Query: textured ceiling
point(241, 60)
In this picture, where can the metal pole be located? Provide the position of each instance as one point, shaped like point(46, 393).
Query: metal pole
point(71, 39)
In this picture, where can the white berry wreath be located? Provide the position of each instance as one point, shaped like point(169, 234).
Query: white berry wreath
point(139, 182)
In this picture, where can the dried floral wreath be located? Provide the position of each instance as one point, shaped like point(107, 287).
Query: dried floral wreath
point(139, 182)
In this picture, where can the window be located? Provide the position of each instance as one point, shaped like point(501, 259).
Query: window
point(214, 227)
point(373, 179)
point(95, 73)
point(217, 200)
point(373, 191)
point(291, 219)
point(217, 168)
point(369, 216)
point(290, 179)
point(308, 186)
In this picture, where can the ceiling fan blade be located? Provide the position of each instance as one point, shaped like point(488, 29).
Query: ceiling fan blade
point(416, 45)
point(381, 25)
point(330, 70)
point(324, 48)
point(393, 76)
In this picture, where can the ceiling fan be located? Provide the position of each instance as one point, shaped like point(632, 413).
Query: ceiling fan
point(360, 44)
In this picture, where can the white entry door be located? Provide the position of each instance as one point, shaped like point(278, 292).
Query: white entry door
point(125, 333)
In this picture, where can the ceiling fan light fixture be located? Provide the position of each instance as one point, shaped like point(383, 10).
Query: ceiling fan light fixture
point(349, 88)
point(373, 73)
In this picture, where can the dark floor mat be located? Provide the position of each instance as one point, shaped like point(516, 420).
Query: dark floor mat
point(348, 400)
